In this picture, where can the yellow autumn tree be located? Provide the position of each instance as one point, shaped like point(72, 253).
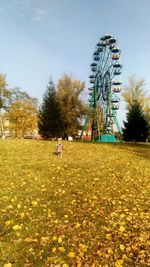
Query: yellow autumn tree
point(69, 93)
point(4, 92)
point(4, 100)
point(22, 118)
point(134, 91)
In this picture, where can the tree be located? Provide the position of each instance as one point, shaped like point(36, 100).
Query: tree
point(136, 127)
point(134, 91)
point(69, 95)
point(50, 121)
point(22, 118)
point(22, 113)
point(4, 92)
point(17, 94)
point(4, 99)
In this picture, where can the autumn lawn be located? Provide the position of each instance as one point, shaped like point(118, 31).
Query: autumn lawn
point(88, 208)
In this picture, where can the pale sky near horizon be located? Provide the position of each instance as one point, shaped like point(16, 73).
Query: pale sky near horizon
point(43, 38)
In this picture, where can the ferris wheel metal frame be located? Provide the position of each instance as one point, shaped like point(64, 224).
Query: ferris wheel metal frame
point(101, 123)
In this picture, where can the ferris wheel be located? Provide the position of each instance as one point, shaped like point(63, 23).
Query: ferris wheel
point(104, 91)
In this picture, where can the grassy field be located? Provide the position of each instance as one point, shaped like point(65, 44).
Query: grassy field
point(88, 208)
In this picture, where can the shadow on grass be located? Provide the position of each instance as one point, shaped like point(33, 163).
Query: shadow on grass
point(139, 149)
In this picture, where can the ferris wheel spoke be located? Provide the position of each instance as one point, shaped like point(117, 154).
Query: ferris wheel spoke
point(108, 69)
point(106, 62)
point(101, 63)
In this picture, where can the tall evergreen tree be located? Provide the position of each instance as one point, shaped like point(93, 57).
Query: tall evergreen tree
point(50, 122)
point(136, 127)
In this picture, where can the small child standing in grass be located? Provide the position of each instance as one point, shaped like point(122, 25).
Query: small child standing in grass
point(59, 149)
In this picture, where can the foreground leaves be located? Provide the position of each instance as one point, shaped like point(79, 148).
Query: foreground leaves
point(88, 208)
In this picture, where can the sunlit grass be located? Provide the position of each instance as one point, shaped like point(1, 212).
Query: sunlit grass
point(88, 208)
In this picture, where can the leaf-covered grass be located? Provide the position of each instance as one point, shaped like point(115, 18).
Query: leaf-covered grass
point(88, 208)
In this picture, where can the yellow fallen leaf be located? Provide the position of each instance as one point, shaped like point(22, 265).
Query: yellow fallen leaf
point(45, 239)
point(34, 203)
point(122, 247)
point(71, 254)
point(142, 252)
point(99, 253)
point(83, 247)
point(124, 257)
point(54, 250)
point(78, 225)
point(17, 227)
point(54, 238)
point(81, 254)
point(122, 229)
point(108, 236)
point(7, 265)
point(31, 240)
point(122, 223)
point(134, 247)
point(122, 215)
point(128, 249)
point(9, 222)
point(110, 251)
point(59, 239)
point(31, 250)
point(61, 249)
point(119, 263)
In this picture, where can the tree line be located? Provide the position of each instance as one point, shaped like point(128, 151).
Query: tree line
point(60, 114)
point(63, 110)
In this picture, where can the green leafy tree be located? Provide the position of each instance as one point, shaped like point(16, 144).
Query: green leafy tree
point(73, 110)
point(50, 120)
point(136, 127)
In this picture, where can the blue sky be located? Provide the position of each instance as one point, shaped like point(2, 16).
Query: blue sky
point(40, 38)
